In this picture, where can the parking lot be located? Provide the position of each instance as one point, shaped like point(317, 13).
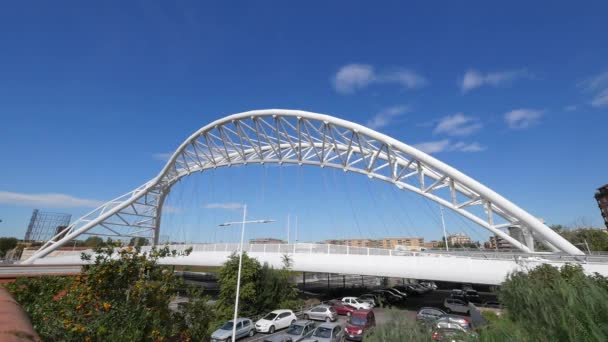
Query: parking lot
point(384, 315)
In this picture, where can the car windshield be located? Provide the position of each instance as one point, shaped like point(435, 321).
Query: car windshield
point(357, 321)
point(270, 316)
point(227, 326)
point(295, 329)
point(322, 332)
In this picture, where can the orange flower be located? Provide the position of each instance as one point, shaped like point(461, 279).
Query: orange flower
point(107, 306)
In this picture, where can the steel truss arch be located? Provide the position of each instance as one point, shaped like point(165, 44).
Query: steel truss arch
point(305, 138)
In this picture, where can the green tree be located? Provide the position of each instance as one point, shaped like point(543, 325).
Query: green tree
point(139, 241)
point(123, 295)
point(6, 244)
point(263, 288)
point(93, 241)
point(250, 274)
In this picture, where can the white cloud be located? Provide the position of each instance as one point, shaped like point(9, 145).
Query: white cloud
point(601, 99)
point(571, 108)
point(162, 156)
point(47, 200)
point(406, 78)
point(353, 77)
point(445, 146)
point(474, 79)
point(433, 146)
point(224, 205)
point(599, 85)
point(596, 82)
point(522, 118)
point(457, 125)
point(386, 117)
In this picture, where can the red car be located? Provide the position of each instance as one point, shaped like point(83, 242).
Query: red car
point(359, 323)
point(341, 308)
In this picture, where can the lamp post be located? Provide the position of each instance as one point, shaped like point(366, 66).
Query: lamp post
point(238, 278)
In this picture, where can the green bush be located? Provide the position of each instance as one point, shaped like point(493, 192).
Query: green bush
point(123, 295)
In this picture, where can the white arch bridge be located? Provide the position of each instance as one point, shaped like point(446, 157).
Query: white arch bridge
point(304, 138)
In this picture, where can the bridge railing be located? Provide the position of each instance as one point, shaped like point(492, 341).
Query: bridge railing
point(312, 248)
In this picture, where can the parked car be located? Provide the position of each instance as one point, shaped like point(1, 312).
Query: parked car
point(451, 335)
point(472, 296)
point(459, 294)
point(429, 314)
point(327, 332)
point(342, 308)
point(300, 330)
point(453, 322)
point(353, 301)
point(388, 296)
point(456, 305)
point(397, 292)
point(244, 327)
point(421, 288)
point(369, 298)
point(278, 338)
point(429, 284)
point(359, 323)
point(276, 320)
point(321, 313)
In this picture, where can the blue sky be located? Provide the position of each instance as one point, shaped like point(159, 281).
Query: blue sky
point(92, 95)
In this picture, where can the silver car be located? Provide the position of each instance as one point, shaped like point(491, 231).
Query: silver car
point(244, 327)
point(453, 322)
point(456, 305)
point(327, 332)
point(321, 313)
point(429, 314)
point(300, 330)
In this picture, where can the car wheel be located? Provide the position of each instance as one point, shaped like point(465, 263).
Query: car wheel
point(251, 332)
point(305, 316)
point(448, 310)
point(271, 330)
point(293, 321)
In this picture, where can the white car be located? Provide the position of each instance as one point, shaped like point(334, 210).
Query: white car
point(276, 320)
point(356, 303)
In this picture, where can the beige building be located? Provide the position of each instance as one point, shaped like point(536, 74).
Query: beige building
point(355, 243)
point(459, 239)
point(388, 243)
point(391, 243)
point(432, 244)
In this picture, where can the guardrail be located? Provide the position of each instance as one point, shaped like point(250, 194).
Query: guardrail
point(311, 248)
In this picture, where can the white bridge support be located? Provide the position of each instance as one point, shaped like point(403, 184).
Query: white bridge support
point(303, 138)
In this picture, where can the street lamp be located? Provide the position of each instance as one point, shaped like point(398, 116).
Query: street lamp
point(238, 278)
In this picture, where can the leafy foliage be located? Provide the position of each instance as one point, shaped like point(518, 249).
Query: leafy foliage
point(263, 288)
point(93, 241)
point(595, 239)
point(139, 241)
point(123, 296)
point(6, 244)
